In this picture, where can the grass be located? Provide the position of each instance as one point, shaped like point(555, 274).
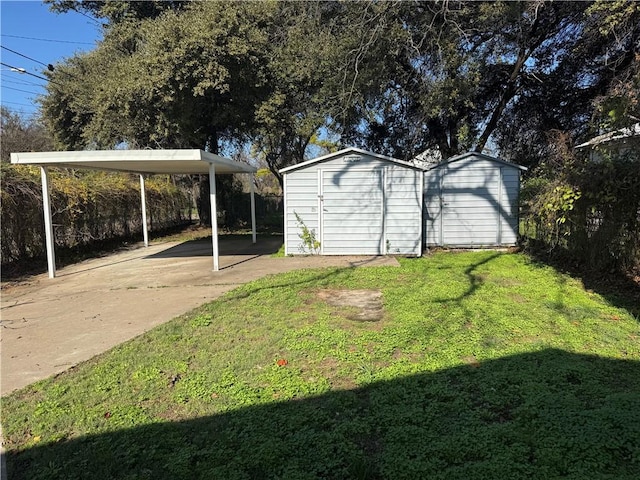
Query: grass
point(484, 365)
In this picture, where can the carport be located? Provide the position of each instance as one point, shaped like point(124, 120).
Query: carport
point(141, 162)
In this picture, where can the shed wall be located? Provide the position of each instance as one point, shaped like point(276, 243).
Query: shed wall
point(301, 199)
point(471, 202)
point(403, 211)
point(355, 204)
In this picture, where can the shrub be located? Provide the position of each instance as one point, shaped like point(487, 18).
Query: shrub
point(86, 206)
point(587, 208)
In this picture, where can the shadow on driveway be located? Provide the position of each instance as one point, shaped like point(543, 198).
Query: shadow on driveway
point(228, 245)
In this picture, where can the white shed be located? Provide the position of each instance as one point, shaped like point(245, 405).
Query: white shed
point(471, 200)
point(353, 202)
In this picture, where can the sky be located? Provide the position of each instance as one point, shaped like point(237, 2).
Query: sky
point(30, 29)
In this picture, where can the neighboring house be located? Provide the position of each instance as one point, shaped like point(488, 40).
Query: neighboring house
point(428, 158)
point(361, 203)
point(614, 143)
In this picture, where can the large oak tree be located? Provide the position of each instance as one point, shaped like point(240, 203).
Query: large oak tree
point(394, 77)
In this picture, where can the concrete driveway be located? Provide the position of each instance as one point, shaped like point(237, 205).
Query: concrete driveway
point(49, 325)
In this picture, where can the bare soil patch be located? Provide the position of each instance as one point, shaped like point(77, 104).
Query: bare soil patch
point(362, 305)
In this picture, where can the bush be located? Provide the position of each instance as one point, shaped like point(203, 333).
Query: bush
point(587, 208)
point(86, 206)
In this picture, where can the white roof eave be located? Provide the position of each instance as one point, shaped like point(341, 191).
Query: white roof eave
point(622, 134)
point(349, 150)
point(476, 154)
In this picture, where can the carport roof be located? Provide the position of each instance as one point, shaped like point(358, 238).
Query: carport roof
point(140, 162)
point(135, 161)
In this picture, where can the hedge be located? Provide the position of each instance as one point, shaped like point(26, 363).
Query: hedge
point(87, 207)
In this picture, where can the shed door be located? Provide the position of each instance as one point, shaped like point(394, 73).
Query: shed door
point(352, 212)
point(470, 202)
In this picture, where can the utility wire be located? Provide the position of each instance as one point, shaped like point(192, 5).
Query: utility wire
point(93, 19)
point(48, 65)
point(20, 90)
point(23, 82)
point(22, 70)
point(16, 103)
point(46, 39)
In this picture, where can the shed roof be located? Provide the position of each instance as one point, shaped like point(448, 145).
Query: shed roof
point(135, 161)
point(345, 151)
point(476, 154)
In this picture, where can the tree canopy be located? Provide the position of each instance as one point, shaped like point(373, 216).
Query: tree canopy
point(394, 77)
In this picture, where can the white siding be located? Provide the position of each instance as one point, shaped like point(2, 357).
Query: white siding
point(301, 197)
point(509, 205)
point(365, 204)
point(403, 211)
point(432, 210)
point(351, 217)
point(471, 203)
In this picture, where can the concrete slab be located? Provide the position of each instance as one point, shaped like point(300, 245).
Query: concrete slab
point(49, 325)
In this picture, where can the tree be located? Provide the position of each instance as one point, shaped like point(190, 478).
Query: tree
point(116, 11)
point(592, 84)
point(618, 24)
point(458, 69)
point(394, 77)
point(21, 135)
point(300, 59)
point(184, 78)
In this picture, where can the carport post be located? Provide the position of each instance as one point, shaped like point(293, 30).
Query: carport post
point(253, 208)
point(143, 201)
point(48, 223)
point(214, 216)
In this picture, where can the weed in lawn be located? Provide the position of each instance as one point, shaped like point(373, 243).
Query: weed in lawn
point(484, 365)
point(202, 320)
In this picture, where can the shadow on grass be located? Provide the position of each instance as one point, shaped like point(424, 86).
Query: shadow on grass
point(547, 414)
point(475, 280)
point(313, 277)
point(620, 291)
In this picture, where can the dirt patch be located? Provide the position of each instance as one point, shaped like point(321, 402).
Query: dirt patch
point(361, 305)
point(471, 360)
point(516, 297)
point(507, 282)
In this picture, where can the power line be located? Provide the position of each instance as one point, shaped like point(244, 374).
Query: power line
point(22, 70)
point(23, 104)
point(48, 65)
point(20, 90)
point(21, 82)
point(46, 39)
point(94, 20)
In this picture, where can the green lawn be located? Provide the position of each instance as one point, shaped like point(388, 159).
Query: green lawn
point(484, 365)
